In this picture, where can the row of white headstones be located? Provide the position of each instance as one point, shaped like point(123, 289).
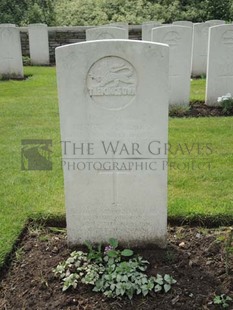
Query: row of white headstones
point(194, 48)
point(113, 101)
point(11, 64)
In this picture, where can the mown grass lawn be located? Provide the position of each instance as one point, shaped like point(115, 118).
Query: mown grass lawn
point(29, 110)
point(197, 92)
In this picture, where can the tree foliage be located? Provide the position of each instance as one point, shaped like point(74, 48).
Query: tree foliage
point(39, 11)
point(24, 12)
point(11, 11)
point(95, 12)
point(89, 12)
point(80, 12)
point(216, 9)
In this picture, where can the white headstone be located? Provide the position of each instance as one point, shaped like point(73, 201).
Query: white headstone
point(11, 65)
point(147, 29)
point(179, 39)
point(38, 44)
point(114, 93)
point(215, 22)
point(183, 23)
point(220, 63)
point(103, 33)
point(7, 25)
point(200, 46)
point(119, 25)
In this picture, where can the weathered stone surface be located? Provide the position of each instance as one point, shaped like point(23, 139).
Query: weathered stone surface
point(200, 46)
point(11, 65)
point(122, 25)
point(179, 39)
point(103, 33)
point(220, 63)
point(147, 29)
point(38, 44)
point(113, 97)
point(215, 22)
point(183, 23)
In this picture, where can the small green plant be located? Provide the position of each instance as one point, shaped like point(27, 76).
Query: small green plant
point(19, 254)
point(94, 254)
point(178, 109)
point(57, 230)
point(111, 271)
point(227, 241)
point(35, 229)
point(44, 238)
point(226, 103)
point(227, 106)
point(170, 256)
point(26, 61)
point(222, 300)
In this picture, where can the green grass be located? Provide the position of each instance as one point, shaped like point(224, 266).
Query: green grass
point(29, 110)
point(197, 90)
point(202, 183)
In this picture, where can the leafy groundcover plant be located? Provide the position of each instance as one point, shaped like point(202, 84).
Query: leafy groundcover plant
point(226, 103)
point(111, 271)
point(222, 300)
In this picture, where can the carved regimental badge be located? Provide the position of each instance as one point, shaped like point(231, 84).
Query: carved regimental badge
point(172, 38)
point(111, 82)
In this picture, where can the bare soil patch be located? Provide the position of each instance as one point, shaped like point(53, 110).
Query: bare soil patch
point(199, 109)
point(195, 257)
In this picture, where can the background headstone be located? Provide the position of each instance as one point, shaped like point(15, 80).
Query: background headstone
point(179, 39)
point(103, 33)
point(114, 91)
point(38, 44)
point(119, 25)
point(220, 63)
point(11, 64)
point(7, 25)
point(215, 22)
point(183, 23)
point(147, 29)
point(200, 46)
